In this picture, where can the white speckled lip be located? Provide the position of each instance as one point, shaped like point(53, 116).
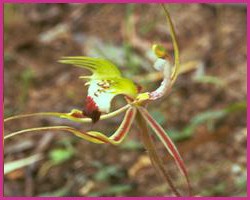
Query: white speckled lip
point(101, 96)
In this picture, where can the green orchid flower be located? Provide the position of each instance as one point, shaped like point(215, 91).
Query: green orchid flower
point(105, 83)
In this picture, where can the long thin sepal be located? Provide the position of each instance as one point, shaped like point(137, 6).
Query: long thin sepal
point(169, 77)
point(122, 131)
point(175, 45)
point(167, 142)
point(52, 114)
point(153, 155)
point(69, 116)
point(125, 126)
point(92, 136)
point(83, 135)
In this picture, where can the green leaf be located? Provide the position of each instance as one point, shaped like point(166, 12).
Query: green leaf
point(131, 145)
point(14, 165)
point(25, 82)
point(106, 172)
point(64, 191)
point(210, 80)
point(113, 190)
point(158, 116)
point(59, 156)
point(209, 117)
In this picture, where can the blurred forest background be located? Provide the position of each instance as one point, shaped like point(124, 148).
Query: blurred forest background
point(205, 114)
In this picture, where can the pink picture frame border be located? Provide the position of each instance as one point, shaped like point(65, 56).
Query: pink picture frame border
point(107, 1)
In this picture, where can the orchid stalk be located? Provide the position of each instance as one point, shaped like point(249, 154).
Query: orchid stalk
point(105, 83)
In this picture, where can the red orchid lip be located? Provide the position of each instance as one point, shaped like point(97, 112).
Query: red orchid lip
point(91, 110)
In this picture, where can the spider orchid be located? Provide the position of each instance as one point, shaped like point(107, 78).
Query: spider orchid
point(105, 83)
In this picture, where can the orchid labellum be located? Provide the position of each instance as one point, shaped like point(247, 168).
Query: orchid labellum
point(105, 83)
